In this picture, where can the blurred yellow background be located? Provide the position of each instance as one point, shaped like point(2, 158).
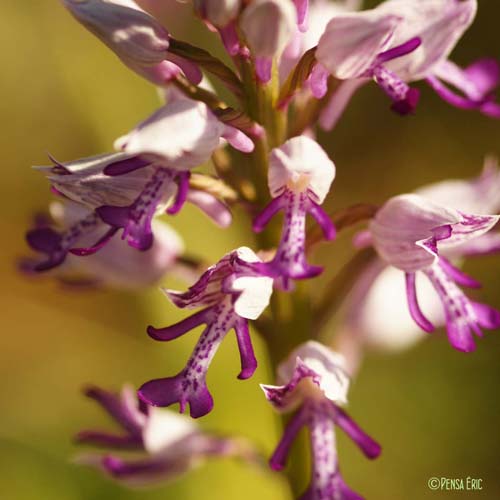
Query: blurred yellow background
point(435, 411)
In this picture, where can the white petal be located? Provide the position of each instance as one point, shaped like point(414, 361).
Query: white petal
point(88, 185)
point(402, 223)
point(255, 295)
point(246, 254)
point(351, 42)
point(182, 134)
point(133, 34)
point(438, 23)
point(298, 164)
point(255, 290)
point(480, 195)
point(327, 364)
point(163, 429)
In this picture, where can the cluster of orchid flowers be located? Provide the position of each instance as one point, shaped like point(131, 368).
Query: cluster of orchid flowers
point(304, 58)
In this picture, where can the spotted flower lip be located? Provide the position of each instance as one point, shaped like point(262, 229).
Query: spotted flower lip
point(315, 384)
point(377, 313)
point(408, 228)
point(438, 23)
point(87, 229)
point(167, 444)
point(408, 233)
point(117, 179)
point(300, 175)
point(231, 292)
point(129, 201)
point(268, 26)
point(136, 37)
point(365, 49)
point(401, 42)
point(116, 265)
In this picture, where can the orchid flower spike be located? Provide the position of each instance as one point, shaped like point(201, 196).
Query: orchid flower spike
point(409, 232)
point(299, 178)
point(116, 265)
point(168, 444)
point(268, 26)
point(315, 384)
point(231, 293)
point(401, 42)
point(136, 37)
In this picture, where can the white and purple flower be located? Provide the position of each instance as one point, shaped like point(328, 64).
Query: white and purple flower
point(300, 175)
point(128, 189)
point(400, 42)
point(411, 233)
point(167, 444)
point(377, 311)
point(315, 384)
point(136, 37)
point(129, 201)
point(116, 265)
point(231, 293)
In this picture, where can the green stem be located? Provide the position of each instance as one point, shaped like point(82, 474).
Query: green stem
point(336, 291)
point(290, 312)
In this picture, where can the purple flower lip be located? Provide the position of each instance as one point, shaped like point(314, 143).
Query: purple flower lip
point(405, 98)
point(164, 444)
point(299, 178)
point(48, 241)
point(57, 245)
point(373, 46)
point(230, 292)
point(136, 219)
point(409, 232)
point(314, 385)
point(189, 386)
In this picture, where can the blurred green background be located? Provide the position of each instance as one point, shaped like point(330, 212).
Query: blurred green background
point(435, 411)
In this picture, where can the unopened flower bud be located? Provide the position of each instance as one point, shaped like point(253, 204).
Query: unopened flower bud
point(219, 12)
point(268, 26)
point(134, 35)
